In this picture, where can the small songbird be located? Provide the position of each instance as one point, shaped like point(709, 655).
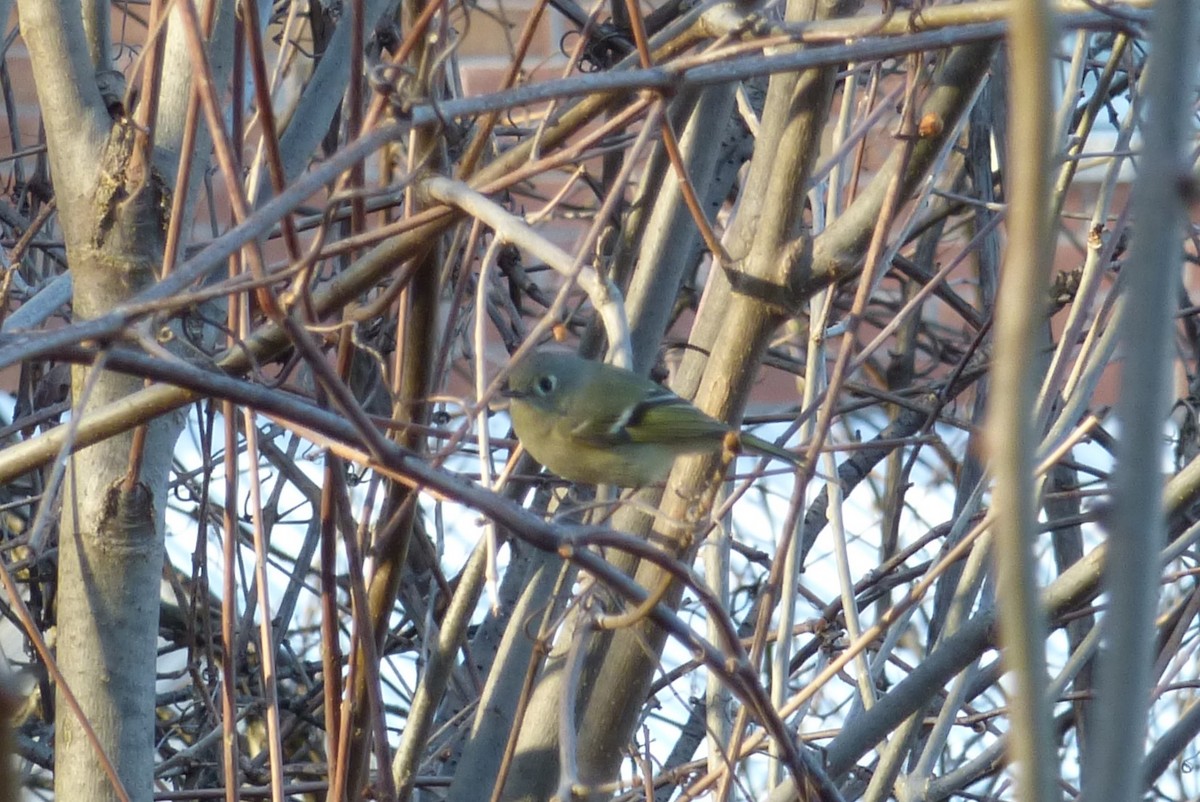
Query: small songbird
point(595, 423)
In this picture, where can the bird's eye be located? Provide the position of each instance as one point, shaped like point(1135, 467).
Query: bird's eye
point(546, 384)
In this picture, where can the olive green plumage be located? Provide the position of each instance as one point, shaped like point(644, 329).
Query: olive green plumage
point(595, 423)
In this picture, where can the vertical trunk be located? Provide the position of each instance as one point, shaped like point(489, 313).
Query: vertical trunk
point(110, 544)
point(112, 209)
point(110, 539)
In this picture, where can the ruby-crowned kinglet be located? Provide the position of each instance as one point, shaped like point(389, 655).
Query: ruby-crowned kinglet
point(595, 423)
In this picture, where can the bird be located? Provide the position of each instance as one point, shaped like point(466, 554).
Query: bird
point(599, 424)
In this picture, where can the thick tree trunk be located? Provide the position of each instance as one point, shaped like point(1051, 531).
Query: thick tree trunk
point(112, 207)
point(111, 535)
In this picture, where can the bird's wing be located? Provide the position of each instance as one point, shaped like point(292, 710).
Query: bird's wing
point(663, 417)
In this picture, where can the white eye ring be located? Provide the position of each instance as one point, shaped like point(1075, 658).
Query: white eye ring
point(545, 384)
